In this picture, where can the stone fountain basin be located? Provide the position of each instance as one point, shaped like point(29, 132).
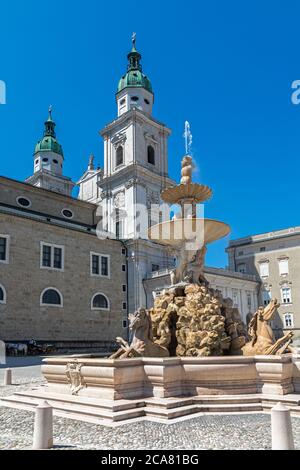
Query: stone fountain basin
point(114, 392)
point(174, 232)
point(175, 377)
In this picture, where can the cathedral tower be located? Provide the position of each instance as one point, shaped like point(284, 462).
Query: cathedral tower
point(48, 162)
point(135, 172)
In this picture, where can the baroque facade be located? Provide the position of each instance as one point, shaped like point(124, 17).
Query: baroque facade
point(274, 258)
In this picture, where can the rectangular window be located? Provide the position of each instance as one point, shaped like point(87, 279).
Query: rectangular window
point(286, 295)
point(249, 300)
point(124, 288)
point(242, 268)
point(4, 243)
point(119, 229)
point(104, 266)
point(124, 323)
point(266, 297)
point(235, 298)
point(264, 269)
point(288, 319)
point(95, 265)
point(52, 256)
point(155, 267)
point(123, 267)
point(57, 262)
point(123, 251)
point(100, 265)
point(124, 306)
point(262, 248)
point(283, 267)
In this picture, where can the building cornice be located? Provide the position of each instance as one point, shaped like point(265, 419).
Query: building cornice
point(135, 174)
point(133, 115)
point(264, 237)
point(19, 185)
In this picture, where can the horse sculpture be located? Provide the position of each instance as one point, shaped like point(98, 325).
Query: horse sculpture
point(142, 342)
point(263, 341)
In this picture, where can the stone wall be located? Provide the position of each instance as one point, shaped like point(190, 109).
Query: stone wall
point(22, 317)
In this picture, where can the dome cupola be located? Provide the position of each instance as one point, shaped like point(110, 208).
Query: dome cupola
point(134, 88)
point(49, 142)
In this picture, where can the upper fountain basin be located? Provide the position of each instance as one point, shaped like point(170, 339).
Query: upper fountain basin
point(177, 194)
point(174, 232)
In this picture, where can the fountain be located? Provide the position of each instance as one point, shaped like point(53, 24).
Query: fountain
point(189, 353)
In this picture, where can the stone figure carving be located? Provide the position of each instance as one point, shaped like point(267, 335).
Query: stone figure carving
point(142, 342)
point(73, 373)
point(261, 334)
point(190, 268)
point(186, 170)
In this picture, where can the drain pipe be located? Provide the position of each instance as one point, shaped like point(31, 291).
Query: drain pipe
point(127, 290)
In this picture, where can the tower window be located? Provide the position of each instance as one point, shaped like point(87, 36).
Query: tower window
point(123, 101)
point(134, 98)
point(56, 162)
point(119, 156)
point(23, 201)
point(45, 160)
point(151, 155)
point(147, 101)
point(36, 162)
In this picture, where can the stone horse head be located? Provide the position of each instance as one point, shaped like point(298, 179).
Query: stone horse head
point(140, 324)
point(260, 319)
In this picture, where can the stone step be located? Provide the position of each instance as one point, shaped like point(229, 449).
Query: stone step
point(226, 399)
point(66, 408)
point(113, 405)
point(198, 408)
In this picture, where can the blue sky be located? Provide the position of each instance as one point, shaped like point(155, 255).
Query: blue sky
point(227, 67)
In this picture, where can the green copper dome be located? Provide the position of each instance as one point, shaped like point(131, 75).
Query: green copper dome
point(134, 76)
point(49, 142)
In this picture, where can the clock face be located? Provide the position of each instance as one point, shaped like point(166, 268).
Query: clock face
point(119, 200)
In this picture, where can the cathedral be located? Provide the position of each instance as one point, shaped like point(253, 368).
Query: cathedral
point(72, 269)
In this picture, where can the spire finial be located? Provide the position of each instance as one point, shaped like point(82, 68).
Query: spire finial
point(133, 39)
point(50, 124)
point(50, 112)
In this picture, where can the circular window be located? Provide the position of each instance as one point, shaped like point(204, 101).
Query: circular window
point(23, 201)
point(45, 160)
point(134, 98)
point(67, 213)
point(147, 101)
point(56, 162)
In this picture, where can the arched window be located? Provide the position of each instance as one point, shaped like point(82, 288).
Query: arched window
point(119, 155)
point(2, 295)
point(100, 302)
point(52, 297)
point(151, 155)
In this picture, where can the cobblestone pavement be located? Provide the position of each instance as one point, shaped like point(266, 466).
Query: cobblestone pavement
point(245, 431)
